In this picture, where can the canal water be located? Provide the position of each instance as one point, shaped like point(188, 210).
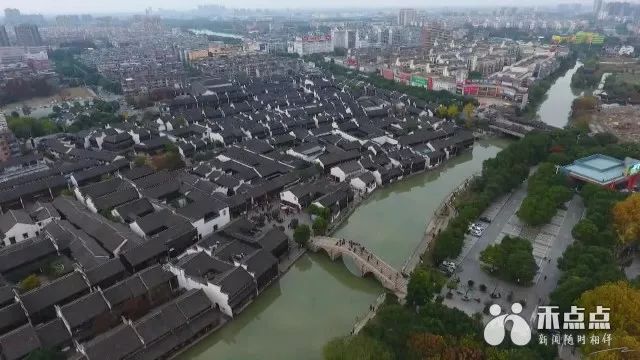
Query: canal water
point(319, 299)
point(556, 108)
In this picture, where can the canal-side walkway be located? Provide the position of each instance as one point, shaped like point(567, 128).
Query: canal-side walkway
point(438, 222)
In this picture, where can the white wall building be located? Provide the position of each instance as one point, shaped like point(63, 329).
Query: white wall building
point(16, 226)
point(308, 45)
point(364, 183)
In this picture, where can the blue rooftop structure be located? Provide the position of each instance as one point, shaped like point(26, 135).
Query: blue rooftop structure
point(599, 169)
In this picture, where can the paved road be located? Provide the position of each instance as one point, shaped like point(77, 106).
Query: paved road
point(469, 261)
point(633, 270)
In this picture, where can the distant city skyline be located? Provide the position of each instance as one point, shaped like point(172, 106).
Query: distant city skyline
point(126, 6)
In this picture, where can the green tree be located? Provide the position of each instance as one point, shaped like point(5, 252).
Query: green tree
point(423, 286)
point(585, 231)
point(320, 211)
point(320, 226)
point(302, 234)
point(30, 282)
point(546, 191)
point(512, 259)
point(171, 148)
point(475, 75)
point(584, 267)
point(26, 127)
point(140, 160)
point(357, 347)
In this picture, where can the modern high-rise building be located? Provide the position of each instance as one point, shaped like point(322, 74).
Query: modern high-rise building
point(433, 32)
point(344, 39)
point(597, 8)
point(28, 35)
point(312, 44)
point(407, 17)
point(11, 16)
point(4, 37)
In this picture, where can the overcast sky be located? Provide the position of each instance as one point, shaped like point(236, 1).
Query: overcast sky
point(111, 6)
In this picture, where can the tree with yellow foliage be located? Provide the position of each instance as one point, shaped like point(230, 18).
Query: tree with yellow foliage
point(467, 111)
point(624, 318)
point(452, 111)
point(626, 219)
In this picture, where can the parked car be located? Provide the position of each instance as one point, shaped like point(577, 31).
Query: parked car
point(448, 267)
point(485, 219)
point(476, 233)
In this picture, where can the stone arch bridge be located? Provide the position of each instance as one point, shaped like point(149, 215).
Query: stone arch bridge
point(366, 261)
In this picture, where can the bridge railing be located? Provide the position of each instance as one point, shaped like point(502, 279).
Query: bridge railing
point(389, 274)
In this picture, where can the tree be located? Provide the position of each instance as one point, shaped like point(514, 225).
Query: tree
point(169, 160)
point(426, 345)
point(441, 111)
point(512, 260)
point(585, 231)
point(30, 282)
point(474, 75)
point(452, 111)
point(320, 226)
point(624, 316)
point(546, 191)
point(321, 211)
point(302, 234)
point(585, 267)
point(357, 347)
point(467, 111)
point(171, 148)
point(423, 285)
point(140, 160)
point(626, 218)
point(26, 127)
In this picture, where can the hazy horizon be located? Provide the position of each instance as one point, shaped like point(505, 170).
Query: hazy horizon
point(128, 6)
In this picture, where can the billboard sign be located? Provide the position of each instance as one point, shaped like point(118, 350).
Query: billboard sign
point(418, 81)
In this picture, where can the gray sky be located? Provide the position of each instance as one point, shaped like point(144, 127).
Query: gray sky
point(96, 6)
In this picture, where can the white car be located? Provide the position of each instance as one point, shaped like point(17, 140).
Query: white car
point(476, 233)
point(449, 263)
point(476, 227)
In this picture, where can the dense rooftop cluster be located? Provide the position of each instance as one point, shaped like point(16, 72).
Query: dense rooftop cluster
point(126, 258)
